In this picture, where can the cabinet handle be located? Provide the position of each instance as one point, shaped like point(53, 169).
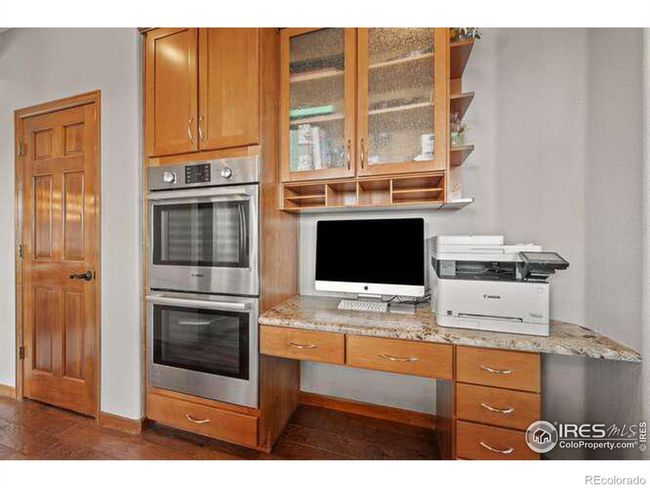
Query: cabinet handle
point(348, 153)
point(509, 450)
point(504, 411)
point(495, 371)
point(398, 359)
point(189, 129)
point(201, 129)
point(363, 153)
point(303, 346)
point(196, 421)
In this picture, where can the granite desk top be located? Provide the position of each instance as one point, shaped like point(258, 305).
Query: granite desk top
point(321, 314)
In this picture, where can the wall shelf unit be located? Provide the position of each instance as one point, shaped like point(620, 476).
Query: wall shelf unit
point(460, 51)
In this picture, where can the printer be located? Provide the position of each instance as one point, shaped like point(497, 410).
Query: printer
point(481, 283)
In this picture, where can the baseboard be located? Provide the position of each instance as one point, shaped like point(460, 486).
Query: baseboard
point(417, 419)
point(7, 391)
point(122, 424)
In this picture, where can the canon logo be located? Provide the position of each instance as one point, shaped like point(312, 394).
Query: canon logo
point(496, 297)
point(197, 275)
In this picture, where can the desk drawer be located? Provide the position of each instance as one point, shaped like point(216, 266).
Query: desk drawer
point(325, 347)
point(202, 419)
point(496, 406)
point(493, 367)
point(483, 442)
point(399, 356)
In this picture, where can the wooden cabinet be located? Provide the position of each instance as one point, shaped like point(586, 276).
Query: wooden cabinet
point(202, 90)
point(317, 103)
point(302, 344)
point(401, 110)
point(374, 103)
point(228, 88)
point(483, 442)
point(171, 72)
point(361, 102)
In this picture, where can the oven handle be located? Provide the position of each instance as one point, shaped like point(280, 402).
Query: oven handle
point(207, 304)
point(206, 194)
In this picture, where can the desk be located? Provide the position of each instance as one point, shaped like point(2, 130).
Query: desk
point(490, 383)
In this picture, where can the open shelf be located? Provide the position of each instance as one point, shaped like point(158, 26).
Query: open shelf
point(459, 54)
point(460, 103)
point(458, 154)
point(424, 191)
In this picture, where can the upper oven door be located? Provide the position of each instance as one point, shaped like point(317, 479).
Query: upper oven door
point(204, 240)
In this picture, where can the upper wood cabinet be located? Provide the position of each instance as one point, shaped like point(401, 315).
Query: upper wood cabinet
point(401, 108)
point(171, 96)
point(202, 90)
point(317, 103)
point(363, 102)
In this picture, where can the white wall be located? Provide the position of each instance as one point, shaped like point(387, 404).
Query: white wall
point(38, 65)
point(614, 221)
point(527, 174)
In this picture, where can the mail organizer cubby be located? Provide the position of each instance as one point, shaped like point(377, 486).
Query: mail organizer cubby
point(422, 191)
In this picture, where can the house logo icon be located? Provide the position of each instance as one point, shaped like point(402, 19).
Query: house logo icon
point(541, 436)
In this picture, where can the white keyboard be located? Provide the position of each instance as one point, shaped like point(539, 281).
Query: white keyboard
point(363, 305)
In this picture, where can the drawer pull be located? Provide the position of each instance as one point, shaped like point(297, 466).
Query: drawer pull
point(398, 359)
point(303, 346)
point(196, 421)
point(495, 371)
point(510, 450)
point(504, 411)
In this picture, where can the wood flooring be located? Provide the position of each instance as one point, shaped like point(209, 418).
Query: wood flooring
point(31, 430)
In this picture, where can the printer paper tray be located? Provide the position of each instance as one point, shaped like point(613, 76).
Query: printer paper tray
point(511, 325)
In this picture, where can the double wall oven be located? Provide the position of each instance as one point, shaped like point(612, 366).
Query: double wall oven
point(204, 279)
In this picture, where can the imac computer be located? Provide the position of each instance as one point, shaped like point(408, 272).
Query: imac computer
point(372, 259)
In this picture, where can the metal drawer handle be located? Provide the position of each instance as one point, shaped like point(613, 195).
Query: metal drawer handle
point(504, 411)
point(189, 129)
point(510, 450)
point(196, 421)
point(395, 358)
point(303, 346)
point(495, 371)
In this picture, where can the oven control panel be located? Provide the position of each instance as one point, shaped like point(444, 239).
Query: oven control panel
point(197, 173)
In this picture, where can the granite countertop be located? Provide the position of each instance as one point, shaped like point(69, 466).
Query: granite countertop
point(320, 313)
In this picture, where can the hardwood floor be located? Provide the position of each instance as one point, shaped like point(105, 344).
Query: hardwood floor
point(31, 430)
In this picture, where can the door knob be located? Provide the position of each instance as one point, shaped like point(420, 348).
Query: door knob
point(87, 276)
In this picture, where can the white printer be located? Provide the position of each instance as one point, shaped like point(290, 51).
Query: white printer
point(479, 282)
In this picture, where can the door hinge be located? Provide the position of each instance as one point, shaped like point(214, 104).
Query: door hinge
point(21, 149)
point(21, 352)
point(20, 251)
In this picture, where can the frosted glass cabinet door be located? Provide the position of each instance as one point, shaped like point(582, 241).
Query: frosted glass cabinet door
point(317, 103)
point(397, 91)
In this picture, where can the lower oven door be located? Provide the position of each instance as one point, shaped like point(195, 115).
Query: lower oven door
point(204, 346)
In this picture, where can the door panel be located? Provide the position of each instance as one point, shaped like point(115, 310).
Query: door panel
point(317, 103)
point(171, 91)
point(228, 88)
point(60, 238)
point(397, 92)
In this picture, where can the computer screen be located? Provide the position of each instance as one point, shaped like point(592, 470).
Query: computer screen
point(378, 256)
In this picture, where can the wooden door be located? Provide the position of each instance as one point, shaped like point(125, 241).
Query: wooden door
point(317, 103)
point(229, 88)
point(402, 109)
point(171, 91)
point(60, 242)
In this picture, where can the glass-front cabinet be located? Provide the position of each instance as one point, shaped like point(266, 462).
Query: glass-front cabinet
point(398, 89)
point(317, 103)
point(362, 102)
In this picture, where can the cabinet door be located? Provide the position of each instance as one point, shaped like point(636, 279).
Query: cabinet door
point(317, 103)
point(228, 88)
point(171, 91)
point(401, 94)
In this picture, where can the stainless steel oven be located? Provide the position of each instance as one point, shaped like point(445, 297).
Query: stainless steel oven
point(203, 226)
point(204, 345)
